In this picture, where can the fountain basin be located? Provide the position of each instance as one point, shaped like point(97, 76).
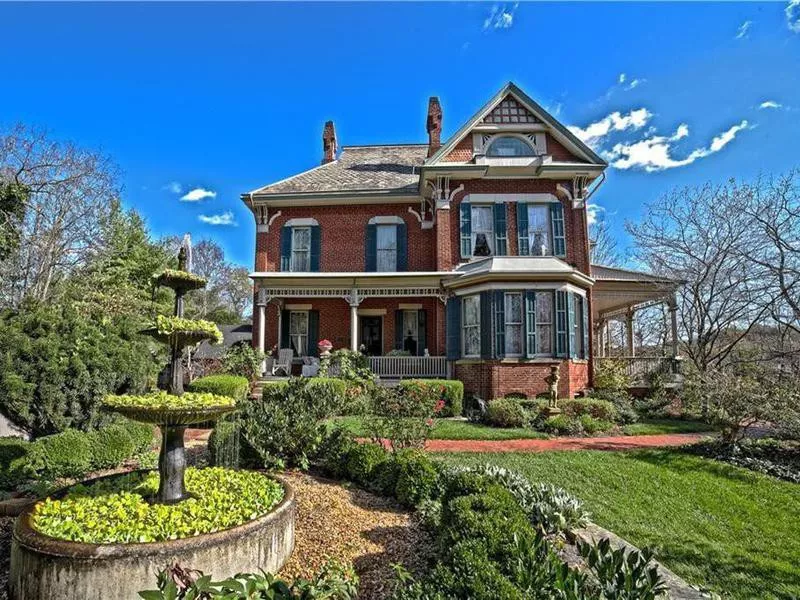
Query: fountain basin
point(172, 417)
point(44, 568)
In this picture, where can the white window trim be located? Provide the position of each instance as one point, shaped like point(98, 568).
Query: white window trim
point(301, 223)
point(386, 220)
point(540, 198)
point(463, 327)
point(512, 286)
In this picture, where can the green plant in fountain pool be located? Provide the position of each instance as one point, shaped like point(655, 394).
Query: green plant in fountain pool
point(167, 325)
point(177, 275)
point(162, 400)
point(117, 510)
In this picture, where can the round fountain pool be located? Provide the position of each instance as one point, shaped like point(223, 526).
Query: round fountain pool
point(45, 568)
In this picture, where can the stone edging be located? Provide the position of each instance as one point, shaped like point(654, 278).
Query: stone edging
point(678, 589)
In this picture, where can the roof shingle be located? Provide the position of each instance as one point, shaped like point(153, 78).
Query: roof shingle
point(384, 168)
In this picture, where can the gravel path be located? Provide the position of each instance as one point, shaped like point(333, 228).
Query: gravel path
point(349, 524)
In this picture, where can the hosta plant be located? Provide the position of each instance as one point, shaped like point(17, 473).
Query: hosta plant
point(116, 510)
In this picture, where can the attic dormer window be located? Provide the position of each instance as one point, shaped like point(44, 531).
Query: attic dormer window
point(509, 146)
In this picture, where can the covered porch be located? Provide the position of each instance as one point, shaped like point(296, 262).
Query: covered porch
point(397, 319)
point(619, 296)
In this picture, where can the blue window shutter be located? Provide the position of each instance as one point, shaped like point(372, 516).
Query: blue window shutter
point(557, 226)
point(499, 324)
point(315, 248)
point(465, 212)
point(573, 348)
point(530, 323)
point(561, 324)
point(500, 235)
point(422, 332)
point(371, 248)
point(285, 329)
point(402, 247)
point(286, 249)
point(453, 313)
point(585, 305)
point(523, 243)
point(313, 332)
point(486, 324)
point(398, 330)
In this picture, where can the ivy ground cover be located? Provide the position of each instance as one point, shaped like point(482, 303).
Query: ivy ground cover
point(115, 510)
point(731, 530)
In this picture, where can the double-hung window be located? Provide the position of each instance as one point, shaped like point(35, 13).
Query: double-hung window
point(301, 249)
point(513, 324)
point(411, 331)
point(577, 326)
point(471, 325)
point(544, 323)
point(482, 230)
point(298, 332)
point(386, 248)
point(539, 230)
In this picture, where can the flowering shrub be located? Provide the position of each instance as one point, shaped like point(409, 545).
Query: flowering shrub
point(405, 418)
point(450, 391)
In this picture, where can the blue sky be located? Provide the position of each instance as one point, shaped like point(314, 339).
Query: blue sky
point(228, 97)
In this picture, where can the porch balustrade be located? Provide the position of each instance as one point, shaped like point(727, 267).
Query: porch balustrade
point(398, 367)
point(640, 368)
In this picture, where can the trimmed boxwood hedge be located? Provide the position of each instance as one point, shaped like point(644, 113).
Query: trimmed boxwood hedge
point(506, 412)
point(233, 386)
point(451, 392)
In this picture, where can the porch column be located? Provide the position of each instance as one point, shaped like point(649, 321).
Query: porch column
point(354, 300)
point(629, 332)
point(673, 316)
point(262, 326)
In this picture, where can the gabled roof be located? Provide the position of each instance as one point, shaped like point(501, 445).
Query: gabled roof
point(561, 133)
point(393, 169)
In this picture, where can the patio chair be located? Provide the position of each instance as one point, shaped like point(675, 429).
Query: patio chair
point(310, 366)
point(283, 362)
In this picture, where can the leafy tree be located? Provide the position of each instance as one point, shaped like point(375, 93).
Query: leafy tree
point(12, 211)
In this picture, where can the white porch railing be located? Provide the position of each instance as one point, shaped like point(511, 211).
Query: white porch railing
point(640, 368)
point(395, 367)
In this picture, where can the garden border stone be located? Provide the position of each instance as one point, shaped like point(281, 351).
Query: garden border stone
point(43, 568)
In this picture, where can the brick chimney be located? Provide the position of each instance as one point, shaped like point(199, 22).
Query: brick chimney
point(328, 143)
point(434, 125)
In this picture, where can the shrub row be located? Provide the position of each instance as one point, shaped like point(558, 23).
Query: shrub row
point(579, 415)
point(451, 392)
point(72, 453)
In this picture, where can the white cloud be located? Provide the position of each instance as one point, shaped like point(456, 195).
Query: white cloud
point(500, 17)
point(198, 194)
point(593, 213)
point(621, 78)
point(793, 15)
point(769, 104)
point(225, 218)
point(654, 152)
point(595, 133)
point(744, 29)
point(173, 187)
point(634, 84)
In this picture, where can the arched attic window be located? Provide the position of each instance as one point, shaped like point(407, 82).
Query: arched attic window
point(509, 146)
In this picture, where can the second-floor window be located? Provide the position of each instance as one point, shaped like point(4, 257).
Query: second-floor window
point(539, 238)
point(301, 249)
point(540, 229)
point(386, 248)
point(482, 231)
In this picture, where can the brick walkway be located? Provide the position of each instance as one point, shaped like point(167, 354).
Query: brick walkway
point(626, 442)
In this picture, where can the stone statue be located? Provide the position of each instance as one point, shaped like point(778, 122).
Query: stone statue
point(552, 393)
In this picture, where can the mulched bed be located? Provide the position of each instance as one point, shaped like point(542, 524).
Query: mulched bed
point(343, 522)
point(6, 525)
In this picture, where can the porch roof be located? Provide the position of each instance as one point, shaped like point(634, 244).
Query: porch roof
point(617, 290)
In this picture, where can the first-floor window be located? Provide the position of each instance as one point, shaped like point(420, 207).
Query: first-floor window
point(513, 324)
point(411, 331)
point(298, 332)
point(301, 249)
point(577, 325)
point(471, 324)
point(482, 231)
point(544, 323)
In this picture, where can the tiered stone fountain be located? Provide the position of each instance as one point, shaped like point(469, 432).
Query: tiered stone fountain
point(43, 567)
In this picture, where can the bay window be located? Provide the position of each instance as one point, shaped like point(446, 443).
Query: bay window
point(543, 323)
point(513, 324)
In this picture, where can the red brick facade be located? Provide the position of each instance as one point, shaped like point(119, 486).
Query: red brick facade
point(499, 378)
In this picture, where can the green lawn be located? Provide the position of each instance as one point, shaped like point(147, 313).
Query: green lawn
point(446, 429)
point(731, 530)
point(662, 426)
